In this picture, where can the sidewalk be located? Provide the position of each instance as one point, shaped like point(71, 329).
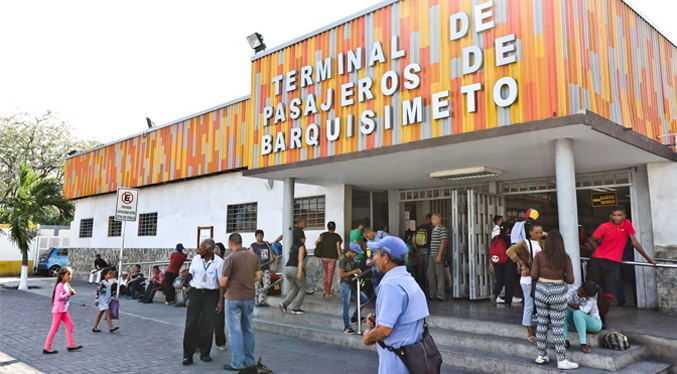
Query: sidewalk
point(149, 340)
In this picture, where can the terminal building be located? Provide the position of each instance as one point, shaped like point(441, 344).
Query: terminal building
point(467, 109)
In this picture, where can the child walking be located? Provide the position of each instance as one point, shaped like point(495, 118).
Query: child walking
point(60, 297)
point(103, 297)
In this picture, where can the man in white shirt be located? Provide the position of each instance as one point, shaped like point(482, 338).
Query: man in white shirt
point(204, 275)
point(498, 221)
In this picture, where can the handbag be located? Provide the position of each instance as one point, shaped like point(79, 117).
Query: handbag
point(114, 307)
point(422, 357)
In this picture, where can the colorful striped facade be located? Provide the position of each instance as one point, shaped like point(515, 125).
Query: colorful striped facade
point(204, 144)
point(572, 55)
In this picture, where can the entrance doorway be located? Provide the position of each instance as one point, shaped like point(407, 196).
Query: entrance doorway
point(370, 207)
point(468, 213)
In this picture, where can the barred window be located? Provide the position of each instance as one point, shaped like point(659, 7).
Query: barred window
point(86, 227)
point(114, 227)
point(242, 217)
point(148, 224)
point(312, 209)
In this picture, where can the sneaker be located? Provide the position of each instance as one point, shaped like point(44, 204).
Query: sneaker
point(543, 359)
point(180, 305)
point(500, 300)
point(354, 319)
point(298, 312)
point(310, 292)
point(170, 302)
point(605, 326)
point(223, 348)
point(566, 365)
point(283, 308)
point(516, 299)
point(349, 330)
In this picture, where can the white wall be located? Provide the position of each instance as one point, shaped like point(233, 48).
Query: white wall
point(183, 206)
point(663, 192)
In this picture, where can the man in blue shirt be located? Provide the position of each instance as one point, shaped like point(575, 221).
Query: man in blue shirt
point(400, 307)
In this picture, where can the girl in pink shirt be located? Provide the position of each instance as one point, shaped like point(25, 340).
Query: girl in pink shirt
point(60, 296)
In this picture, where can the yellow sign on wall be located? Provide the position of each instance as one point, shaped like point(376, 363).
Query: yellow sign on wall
point(602, 199)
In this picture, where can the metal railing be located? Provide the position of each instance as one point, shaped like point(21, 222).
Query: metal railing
point(645, 264)
point(357, 278)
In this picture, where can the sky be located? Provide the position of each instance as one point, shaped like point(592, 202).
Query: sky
point(104, 66)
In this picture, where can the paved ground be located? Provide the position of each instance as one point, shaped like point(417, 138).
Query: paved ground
point(149, 340)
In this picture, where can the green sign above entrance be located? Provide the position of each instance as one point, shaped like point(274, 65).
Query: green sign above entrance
point(602, 199)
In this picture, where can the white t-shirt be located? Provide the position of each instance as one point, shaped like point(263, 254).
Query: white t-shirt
point(536, 248)
point(495, 231)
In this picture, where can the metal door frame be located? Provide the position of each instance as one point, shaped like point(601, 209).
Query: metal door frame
point(481, 209)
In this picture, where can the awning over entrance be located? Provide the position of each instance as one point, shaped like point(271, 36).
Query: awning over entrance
point(521, 151)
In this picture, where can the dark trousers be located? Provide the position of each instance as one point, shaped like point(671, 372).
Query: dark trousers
point(505, 277)
point(200, 318)
point(220, 326)
point(170, 293)
point(150, 293)
point(422, 275)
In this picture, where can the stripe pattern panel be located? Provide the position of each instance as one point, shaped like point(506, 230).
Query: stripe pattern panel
point(571, 55)
point(208, 143)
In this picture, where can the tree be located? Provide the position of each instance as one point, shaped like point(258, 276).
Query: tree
point(32, 197)
point(42, 143)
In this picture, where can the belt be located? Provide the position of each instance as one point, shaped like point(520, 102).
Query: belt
point(206, 289)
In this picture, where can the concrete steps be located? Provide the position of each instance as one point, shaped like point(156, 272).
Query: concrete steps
point(482, 346)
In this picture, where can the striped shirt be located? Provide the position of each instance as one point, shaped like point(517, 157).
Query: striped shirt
point(439, 233)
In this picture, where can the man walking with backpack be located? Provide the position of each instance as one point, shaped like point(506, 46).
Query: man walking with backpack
point(422, 243)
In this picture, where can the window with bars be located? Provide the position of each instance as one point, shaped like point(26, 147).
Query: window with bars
point(114, 227)
point(86, 227)
point(148, 224)
point(312, 209)
point(241, 217)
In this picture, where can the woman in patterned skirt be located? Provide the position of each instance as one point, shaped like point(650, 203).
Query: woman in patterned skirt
point(551, 269)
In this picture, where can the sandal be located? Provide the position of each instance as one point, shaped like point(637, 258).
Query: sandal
point(567, 344)
point(532, 339)
point(585, 349)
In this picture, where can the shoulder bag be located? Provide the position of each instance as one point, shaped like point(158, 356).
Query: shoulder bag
point(422, 357)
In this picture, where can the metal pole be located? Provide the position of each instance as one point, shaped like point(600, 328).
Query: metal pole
point(359, 307)
point(287, 225)
point(122, 246)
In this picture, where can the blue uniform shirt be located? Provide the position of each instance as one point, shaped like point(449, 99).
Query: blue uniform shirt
point(400, 305)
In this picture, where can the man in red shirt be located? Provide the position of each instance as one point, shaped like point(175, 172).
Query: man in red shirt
point(175, 261)
point(605, 264)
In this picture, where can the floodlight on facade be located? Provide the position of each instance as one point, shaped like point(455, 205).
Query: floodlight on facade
point(256, 42)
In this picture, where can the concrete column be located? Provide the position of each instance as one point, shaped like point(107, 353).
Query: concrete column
point(645, 278)
point(395, 216)
point(287, 224)
point(566, 201)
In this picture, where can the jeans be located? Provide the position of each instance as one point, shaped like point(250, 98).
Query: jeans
point(346, 291)
point(436, 279)
point(297, 288)
point(583, 323)
point(505, 276)
point(150, 291)
point(240, 332)
point(528, 316)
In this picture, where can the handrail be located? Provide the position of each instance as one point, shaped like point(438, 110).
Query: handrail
point(645, 264)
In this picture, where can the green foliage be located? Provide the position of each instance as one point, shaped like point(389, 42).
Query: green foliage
point(33, 197)
point(42, 144)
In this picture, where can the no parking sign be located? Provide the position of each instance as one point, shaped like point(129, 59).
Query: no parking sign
point(125, 209)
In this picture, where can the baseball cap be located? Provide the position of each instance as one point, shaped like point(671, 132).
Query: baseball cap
point(532, 214)
point(355, 248)
point(180, 246)
point(391, 245)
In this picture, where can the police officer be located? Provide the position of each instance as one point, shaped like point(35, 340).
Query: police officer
point(400, 306)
